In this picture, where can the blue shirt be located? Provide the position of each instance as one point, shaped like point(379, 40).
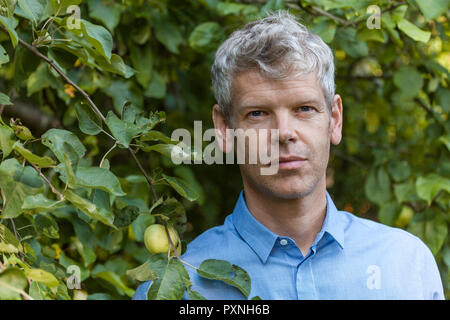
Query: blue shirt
point(351, 258)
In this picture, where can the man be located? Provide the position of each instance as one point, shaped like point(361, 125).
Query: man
point(285, 230)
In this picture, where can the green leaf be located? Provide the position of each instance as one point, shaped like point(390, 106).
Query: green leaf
point(194, 295)
point(446, 141)
point(325, 28)
point(12, 280)
point(40, 202)
point(389, 212)
point(22, 132)
point(140, 224)
point(17, 183)
point(371, 35)
point(443, 99)
point(142, 273)
point(46, 225)
point(172, 281)
point(206, 37)
point(8, 7)
point(182, 187)
point(43, 162)
point(4, 99)
point(142, 60)
point(154, 135)
point(126, 216)
point(166, 32)
point(227, 8)
point(124, 91)
point(338, 4)
point(428, 187)
point(156, 118)
point(6, 140)
point(85, 252)
point(115, 65)
point(98, 37)
point(25, 63)
point(409, 81)
point(39, 79)
point(121, 130)
point(396, 15)
point(273, 5)
point(8, 241)
point(378, 187)
point(102, 199)
point(4, 58)
point(405, 192)
point(413, 32)
point(173, 210)
point(106, 11)
point(399, 170)
point(36, 10)
point(188, 175)
point(431, 227)
point(432, 10)
point(62, 5)
point(63, 142)
point(42, 276)
point(96, 177)
point(348, 42)
point(115, 280)
point(90, 208)
point(89, 122)
point(156, 88)
point(224, 271)
point(9, 25)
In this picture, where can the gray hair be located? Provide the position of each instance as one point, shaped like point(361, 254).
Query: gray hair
point(278, 46)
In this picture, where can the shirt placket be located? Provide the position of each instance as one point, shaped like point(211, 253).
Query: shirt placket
point(305, 284)
point(304, 280)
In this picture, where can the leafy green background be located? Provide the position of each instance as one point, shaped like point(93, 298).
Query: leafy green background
point(137, 58)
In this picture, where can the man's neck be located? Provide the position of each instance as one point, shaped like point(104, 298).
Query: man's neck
point(300, 219)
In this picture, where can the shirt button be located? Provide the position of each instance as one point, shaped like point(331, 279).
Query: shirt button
point(283, 242)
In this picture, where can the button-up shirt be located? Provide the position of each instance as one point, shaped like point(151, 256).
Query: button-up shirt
point(350, 258)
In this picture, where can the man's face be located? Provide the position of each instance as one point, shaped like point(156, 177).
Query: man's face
point(297, 108)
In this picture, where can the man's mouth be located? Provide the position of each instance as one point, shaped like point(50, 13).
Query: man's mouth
point(291, 162)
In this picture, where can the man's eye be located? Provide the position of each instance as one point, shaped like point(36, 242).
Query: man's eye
point(255, 113)
point(305, 108)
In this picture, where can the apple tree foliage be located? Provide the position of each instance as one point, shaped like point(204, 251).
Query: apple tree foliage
point(90, 92)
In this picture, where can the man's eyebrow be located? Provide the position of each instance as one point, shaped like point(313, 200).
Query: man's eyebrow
point(299, 102)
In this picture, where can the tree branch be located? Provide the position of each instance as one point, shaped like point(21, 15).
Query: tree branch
point(59, 194)
point(16, 235)
point(332, 16)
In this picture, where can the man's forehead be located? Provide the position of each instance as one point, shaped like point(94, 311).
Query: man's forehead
point(252, 84)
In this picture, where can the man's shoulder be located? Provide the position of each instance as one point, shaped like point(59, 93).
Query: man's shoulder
point(213, 243)
point(381, 233)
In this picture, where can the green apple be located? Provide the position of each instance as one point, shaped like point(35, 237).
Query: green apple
point(156, 240)
point(405, 217)
point(80, 295)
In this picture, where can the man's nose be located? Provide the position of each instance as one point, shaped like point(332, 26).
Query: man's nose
point(286, 127)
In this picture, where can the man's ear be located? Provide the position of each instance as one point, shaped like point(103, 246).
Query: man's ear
point(336, 120)
point(221, 125)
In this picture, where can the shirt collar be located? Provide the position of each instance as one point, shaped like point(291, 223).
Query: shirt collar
point(261, 239)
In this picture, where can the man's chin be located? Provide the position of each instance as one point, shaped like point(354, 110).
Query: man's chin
point(287, 193)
